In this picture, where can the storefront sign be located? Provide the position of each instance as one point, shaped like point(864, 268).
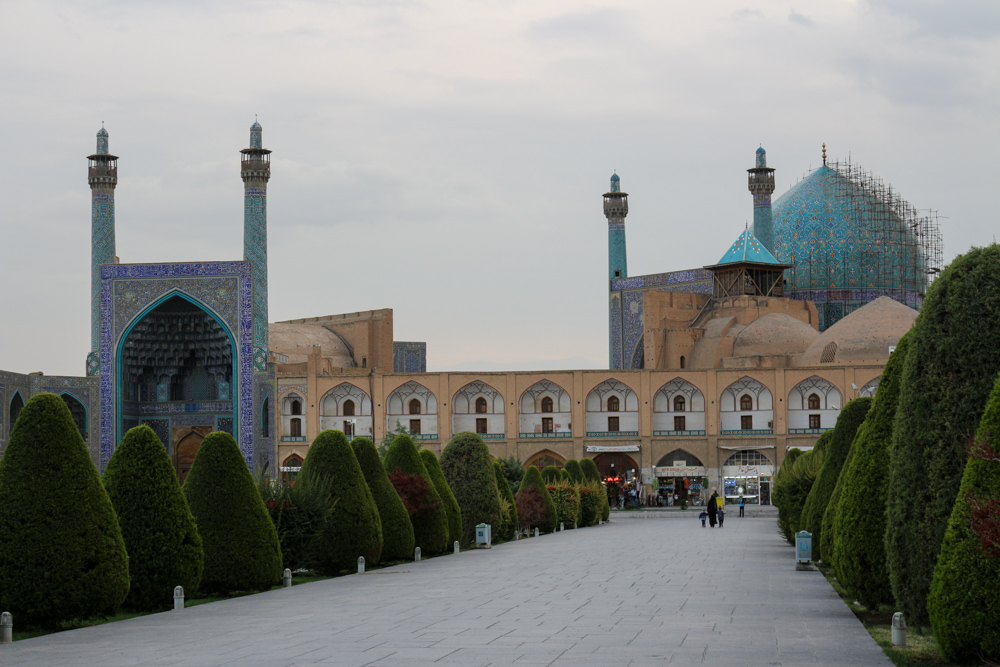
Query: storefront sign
point(610, 448)
point(680, 471)
point(747, 471)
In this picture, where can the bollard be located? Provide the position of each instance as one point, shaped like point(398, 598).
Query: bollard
point(898, 629)
point(6, 628)
point(600, 522)
point(361, 564)
point(456, 546)
point(517, 534)
point(561, 527)
point(536, 531)
point(178, 597)
point(286, 578)
point(416, 555)
point(575, 526)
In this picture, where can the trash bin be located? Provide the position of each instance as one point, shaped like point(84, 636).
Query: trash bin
point(803, 547)
point(484, 536)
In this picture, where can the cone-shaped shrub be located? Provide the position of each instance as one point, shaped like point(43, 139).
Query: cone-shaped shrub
point(947, 378)
point(565, 476)
point(533, 480)
point(550, 474)
point(163, 544)
point(605, 504)
point(780, 488)
point(833, 462)
point(964, 604)
point(564, 496)
point(61, 551)
point(511, 521)
point(242, 552)
point(798, 481)
point(470, 474)
point(827, 541)
point(397, 531)
point(354, 528)
point(447, 497)
point(591, 504)
point(589, 469)
point(859, 526)
point(408, 474)
point(573, 468)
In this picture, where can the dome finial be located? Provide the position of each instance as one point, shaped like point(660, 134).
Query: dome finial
point(761, 156)
point(824, 154)
point(616, 182)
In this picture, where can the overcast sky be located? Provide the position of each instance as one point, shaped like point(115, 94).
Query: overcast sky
point(446, 159)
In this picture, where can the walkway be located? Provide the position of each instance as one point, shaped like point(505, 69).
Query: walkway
point(628, 593)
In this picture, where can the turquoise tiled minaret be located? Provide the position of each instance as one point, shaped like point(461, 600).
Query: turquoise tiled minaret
point(256, 171)
point(615, 209)
point(761, 185)
point(102, 175)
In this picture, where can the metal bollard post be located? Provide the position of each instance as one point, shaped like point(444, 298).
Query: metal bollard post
point(416, 555)
point(898, 629)
point(286, 578)
point(361, 564)
point(561, 527)
point(600, 522)
point(6, 628)
point(517, 534)
point(575, 525)
point(178, 597)
point(456, 546)
point(536, 531)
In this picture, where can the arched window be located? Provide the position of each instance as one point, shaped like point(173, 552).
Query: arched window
point(679, 404)
point(293, 462)
point(547, 404)
point(414, 406)
point(348, 408)
point(296, 408)
point(296, 428)
point(683, 362)
point(746, 403)
point(480, 406)
point(813, 402)
point(78, 412)
point(613, 405)
point(16, 404)
point(265, 419)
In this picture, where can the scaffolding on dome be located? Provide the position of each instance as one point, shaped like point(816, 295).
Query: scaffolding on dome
point(898, 251)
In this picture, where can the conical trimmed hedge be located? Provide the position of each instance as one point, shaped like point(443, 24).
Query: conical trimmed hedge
point(550, 474)
point(397, 531)
point(589, 470)
point(798, 482)
point(859, 527)
point(964, 603)
point(61, 551)
point(471, 475)
point(430, 519)
point(161, 538)
point(354, 528)
point(780, 489)
point(511, 521)
point(242, 551)
point(573, 468)
point(947, 378)
point(564, 496)
point(533, 481)
point(447, 497)
point(592, 496)
point(848, 421)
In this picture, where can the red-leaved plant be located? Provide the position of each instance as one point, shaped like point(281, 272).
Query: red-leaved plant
point(531, 508)
point(413, 491)
point(986, 511)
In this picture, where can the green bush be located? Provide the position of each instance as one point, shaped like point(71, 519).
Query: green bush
point(573, 468)
point(511, 522)
point(447, 497)
point(162, 541)
point(61, 551)
point(397, 531)
point(533, 480)
point(550, 474)
point(833, 462)
point(591, 504)
point(513, 470)
point(354, 528)
point(859, 525)
point(780, 488)
point(947, 378)
point(564, 496)
point(430, 519)
point(566, 476)
point(297, 512)
point(589, 470)
point(796, 483)
point(963, 605)
point(242, 551)
point(470, 473)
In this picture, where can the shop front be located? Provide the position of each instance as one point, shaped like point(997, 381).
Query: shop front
point(619, 473)
point(681, 476)
point(748, 474)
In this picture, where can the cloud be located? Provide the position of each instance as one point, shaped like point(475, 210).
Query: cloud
point(801, 19)
point(975, 20)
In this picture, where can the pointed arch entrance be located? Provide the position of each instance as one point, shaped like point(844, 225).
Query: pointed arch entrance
point(618, 472)
point(681, 476)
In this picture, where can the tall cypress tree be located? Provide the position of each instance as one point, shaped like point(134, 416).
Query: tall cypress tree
point(533, 483)
point(511, 522)
point(397, 531)
point(447, 497)
point(409, 475)
point(573, 468)
point(61, 551)
point(778, 495)
point(947, 378)
point(471, 476)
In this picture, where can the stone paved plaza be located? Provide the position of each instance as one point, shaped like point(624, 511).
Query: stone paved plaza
point(633, 592)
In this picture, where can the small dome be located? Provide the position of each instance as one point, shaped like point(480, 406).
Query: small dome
point(614, 177)
point(863, 337)
point(102, 132)
point(761, 150)
point(256, 126)
point(774, 334)
point(297, 340)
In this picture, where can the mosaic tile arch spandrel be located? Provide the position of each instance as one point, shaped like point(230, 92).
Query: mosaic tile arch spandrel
point(129, 290)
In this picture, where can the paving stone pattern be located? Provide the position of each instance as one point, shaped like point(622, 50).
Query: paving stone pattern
point(628, 593)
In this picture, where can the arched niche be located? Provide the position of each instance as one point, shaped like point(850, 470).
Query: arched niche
point(746, 407)
point(420, 423)
point(813, 405)
point(679, 457)
point(545, 411)
point(347, 408)
point(478, 407)
point(78, 411)
point(545, 458)
point(16, 405)
point(678, 408)
point(612, 408)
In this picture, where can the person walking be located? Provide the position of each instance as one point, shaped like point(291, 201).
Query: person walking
point(722, 516)
point(713, 509)
point(743, 504)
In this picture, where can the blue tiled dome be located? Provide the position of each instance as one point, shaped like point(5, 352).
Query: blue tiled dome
point(761, 150)
point(256, 126)
point(102, 132)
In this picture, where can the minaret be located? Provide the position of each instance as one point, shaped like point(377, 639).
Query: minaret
point(615, 209)
point(761, 185)
point(255, 169)
point(102, 175)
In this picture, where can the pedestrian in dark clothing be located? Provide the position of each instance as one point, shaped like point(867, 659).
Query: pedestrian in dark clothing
point(703, 516)
point(743, 504)
point(713, 509)
point(722, 516)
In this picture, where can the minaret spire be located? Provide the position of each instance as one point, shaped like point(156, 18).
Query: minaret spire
point(255, 169)
point(761, 185)
point(615, 210)
point(102, 175)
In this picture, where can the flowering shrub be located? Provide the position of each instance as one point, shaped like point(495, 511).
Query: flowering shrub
point(531, 508)
point(415, 494)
